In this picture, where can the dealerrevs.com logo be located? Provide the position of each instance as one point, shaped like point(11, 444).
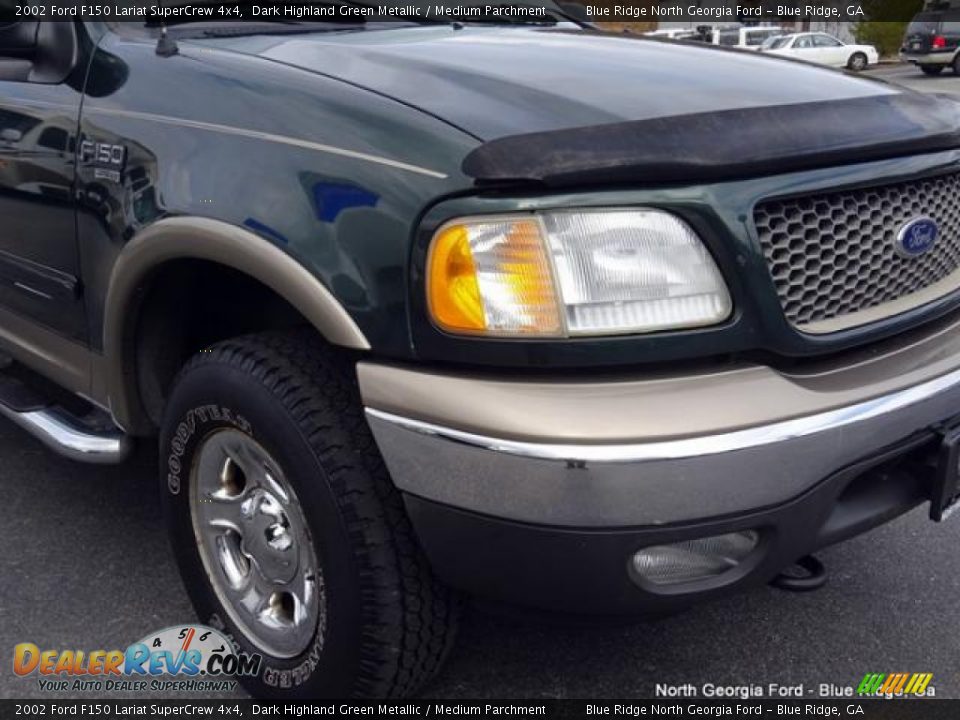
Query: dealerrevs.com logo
point(186, 657)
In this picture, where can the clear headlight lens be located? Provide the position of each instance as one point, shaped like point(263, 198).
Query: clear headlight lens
point(562, 274)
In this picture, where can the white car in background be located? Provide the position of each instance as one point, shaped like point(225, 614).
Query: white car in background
point(823, 49)
point(746, 38)
point(674, 34)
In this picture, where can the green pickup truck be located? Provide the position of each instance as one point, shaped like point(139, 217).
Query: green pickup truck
point(584, 322)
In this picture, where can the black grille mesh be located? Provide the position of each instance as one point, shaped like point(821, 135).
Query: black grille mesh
point(832, 254)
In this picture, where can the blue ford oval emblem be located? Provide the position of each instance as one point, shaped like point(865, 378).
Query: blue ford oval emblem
point(916, 237)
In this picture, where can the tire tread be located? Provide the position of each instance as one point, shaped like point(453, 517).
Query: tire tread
point(409, 618)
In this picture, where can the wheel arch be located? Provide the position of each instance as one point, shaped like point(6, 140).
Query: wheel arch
point(193, 239)
point(862, 53)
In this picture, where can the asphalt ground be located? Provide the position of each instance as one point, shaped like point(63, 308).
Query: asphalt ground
point(911, 77)
point(85, 565)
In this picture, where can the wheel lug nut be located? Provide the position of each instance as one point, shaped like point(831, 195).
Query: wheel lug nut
point(278, 538)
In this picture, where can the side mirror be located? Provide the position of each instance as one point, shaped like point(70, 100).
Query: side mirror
point(18, 39)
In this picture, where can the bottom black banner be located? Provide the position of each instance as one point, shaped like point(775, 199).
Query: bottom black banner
point(894, 709)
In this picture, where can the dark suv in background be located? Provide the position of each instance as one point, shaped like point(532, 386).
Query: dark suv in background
point(932, 41)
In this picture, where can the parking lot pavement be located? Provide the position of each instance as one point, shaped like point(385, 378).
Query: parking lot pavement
point(84, 564)
point(911, 77)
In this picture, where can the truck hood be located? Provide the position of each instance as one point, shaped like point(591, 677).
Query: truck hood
point(499, 81)
point(560, 105)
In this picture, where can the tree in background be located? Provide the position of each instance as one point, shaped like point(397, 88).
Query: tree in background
point(887, 24)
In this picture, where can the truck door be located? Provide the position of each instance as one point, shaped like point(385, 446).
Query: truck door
point(39, 111)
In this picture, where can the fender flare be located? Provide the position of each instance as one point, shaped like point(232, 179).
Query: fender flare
point(194, 238)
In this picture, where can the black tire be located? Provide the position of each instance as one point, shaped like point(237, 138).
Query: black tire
point(388, 624)
point(857, 62)
point(931, 70)
point(956, 64)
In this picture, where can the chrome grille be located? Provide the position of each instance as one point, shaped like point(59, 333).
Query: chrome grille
point(832, 254)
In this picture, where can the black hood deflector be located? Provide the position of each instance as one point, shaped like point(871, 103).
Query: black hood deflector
point(726, 145)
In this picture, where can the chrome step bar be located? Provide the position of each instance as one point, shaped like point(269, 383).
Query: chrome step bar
point(69, 437)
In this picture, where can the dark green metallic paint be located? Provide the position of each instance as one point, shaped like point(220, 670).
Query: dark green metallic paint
point(351, 181)
point(37, 132)
point(203, 155)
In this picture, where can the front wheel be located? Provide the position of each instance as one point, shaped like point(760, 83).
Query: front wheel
point(289, 534)
point(857, 62)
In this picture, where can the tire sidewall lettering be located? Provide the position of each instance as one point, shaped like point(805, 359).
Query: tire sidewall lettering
point(293, 677)
point(200, 421)
point(193, 420)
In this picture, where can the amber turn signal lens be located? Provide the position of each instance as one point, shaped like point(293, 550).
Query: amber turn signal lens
point(452, 289)
point(493, 277)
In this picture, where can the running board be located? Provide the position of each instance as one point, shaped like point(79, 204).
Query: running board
point(60, 431)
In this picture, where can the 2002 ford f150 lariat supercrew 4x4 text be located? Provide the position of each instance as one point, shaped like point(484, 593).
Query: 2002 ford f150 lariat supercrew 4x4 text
point(577, 321)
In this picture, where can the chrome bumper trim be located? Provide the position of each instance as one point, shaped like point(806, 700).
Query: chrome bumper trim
point(651, 483)
point(690, 447)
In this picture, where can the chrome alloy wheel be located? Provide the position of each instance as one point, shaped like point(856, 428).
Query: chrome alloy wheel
point(255, 543)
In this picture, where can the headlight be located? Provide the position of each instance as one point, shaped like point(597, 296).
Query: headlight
point(564, 274)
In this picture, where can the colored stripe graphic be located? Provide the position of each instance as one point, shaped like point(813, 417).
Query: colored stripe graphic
point(894, 683)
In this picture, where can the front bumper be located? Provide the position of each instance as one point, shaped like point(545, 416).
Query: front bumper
point(580, 475)
point(584, 571)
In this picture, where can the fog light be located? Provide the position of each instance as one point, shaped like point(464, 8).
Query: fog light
point(692, 560)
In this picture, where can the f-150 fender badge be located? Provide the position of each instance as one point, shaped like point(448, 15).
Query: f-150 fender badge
point(108, 160)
